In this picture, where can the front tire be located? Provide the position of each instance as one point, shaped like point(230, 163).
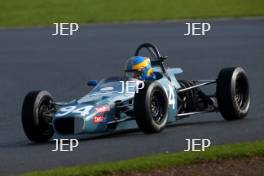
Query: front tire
point(151, 108)
point(232, 91)
point(37, 126)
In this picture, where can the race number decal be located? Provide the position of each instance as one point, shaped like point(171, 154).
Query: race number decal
point(171, 97)
point(83, 111)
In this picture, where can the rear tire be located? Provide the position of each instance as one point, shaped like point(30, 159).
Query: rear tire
point(232, 92)
point(37, 127)
point(151, 108)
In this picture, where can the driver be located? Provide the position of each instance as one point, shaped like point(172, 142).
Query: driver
point(140, 68)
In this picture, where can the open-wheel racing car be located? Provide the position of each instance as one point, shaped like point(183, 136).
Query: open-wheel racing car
point(151, 104)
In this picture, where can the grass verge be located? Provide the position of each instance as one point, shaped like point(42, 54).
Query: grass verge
point(45, 12)
point(159, 161)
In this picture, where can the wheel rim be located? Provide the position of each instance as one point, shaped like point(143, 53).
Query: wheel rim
point(45, 121)
point(241, 92)
point(157, 107)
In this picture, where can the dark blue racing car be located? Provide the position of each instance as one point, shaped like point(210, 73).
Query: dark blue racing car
point(149, 94)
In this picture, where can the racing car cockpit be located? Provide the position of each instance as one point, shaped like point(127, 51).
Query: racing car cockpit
point(146, 68)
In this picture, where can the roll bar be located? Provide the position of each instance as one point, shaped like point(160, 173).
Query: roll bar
point(153, 50)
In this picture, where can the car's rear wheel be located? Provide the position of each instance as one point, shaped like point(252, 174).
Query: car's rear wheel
point(151, 108)
point(36, 121)
point(232, 91)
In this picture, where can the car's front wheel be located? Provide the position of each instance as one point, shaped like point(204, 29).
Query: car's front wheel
point(36, 119)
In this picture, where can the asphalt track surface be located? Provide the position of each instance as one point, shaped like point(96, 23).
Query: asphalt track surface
point(32, 59)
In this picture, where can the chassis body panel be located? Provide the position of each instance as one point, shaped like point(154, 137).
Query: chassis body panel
point(116, 117)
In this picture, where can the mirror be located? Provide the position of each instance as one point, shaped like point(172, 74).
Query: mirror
point(92, 82)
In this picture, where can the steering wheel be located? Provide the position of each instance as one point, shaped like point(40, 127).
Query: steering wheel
point(153, 50)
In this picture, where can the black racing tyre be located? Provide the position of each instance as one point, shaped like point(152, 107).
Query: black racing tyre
point(151, 108)
point(232, 92)
point(37, 126)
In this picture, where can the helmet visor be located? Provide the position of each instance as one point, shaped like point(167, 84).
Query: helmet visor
point(133, 74)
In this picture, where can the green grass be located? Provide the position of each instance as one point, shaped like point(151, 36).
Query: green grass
point(159, 161)
point(45, 12)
